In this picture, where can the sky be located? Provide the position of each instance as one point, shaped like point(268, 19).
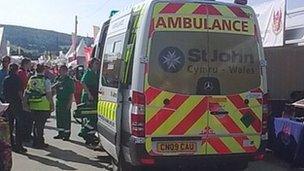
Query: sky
point(58, 15)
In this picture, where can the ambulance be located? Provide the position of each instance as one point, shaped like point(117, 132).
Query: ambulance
point(182, 83)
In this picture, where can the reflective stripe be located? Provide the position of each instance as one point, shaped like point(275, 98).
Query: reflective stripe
point(89, 112)
point(35, 100)
point(107, 110)
point(89, 126)
point(43, 105)
point(130, 49)
point(67, 131)
point(36, 94)
point(91, 132)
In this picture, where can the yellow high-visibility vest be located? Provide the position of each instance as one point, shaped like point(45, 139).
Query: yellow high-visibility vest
point(36, 92)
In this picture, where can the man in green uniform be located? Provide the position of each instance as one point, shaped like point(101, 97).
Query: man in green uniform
point(89, 96)
point(64, 89)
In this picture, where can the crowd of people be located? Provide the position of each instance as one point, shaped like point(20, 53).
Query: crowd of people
point(30, 90)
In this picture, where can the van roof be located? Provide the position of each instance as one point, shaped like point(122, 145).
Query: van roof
point(127, 9)
point(194, 1)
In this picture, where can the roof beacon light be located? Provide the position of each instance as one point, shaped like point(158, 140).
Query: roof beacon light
point(241, 2)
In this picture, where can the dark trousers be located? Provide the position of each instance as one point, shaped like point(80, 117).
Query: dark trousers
point(15, 118)
point(88, 128)
point(28, 125)
point(39, 119)
point(63, 121)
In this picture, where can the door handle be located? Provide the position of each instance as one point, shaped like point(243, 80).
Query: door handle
point(219, 113)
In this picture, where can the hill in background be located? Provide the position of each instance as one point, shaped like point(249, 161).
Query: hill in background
point(35, 42)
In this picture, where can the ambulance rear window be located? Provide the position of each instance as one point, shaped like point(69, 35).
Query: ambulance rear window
point(198, 63)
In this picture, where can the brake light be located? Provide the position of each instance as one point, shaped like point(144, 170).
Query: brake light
point(138, 114)
point(265, 105)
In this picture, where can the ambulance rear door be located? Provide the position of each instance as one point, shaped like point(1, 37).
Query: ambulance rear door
point(175, 114)
point(234, 80)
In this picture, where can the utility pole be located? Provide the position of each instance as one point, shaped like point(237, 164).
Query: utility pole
point(19, 50)
point(75, 38)
point(8, 48)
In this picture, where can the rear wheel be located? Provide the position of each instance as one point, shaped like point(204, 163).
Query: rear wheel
point(233, 166)
point(122, 165)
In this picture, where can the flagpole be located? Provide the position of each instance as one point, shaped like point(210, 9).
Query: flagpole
point(285, 18)
point(75, 38)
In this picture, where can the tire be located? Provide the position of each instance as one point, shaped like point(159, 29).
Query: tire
point(286, 146)
point(233, 166)
point(122, 165)
point(1, 165)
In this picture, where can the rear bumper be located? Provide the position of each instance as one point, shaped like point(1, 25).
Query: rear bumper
point(138, 154)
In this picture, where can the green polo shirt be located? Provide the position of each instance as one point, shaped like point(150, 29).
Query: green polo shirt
point(65, 88)
point(91, 80)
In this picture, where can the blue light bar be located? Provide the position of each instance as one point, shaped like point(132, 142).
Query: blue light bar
point(241, 2)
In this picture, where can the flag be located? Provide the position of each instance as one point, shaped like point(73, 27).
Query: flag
point(95, 31)
point(271, 16)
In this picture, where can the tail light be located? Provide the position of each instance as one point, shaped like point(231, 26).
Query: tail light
point(138, 114)
point(265, 116)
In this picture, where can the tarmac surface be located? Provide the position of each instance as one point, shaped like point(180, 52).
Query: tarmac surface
point(75, 155)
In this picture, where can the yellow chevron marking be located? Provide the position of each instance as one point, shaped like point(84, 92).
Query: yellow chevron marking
point(158, 7)
point(256, 139)
point(236, 116)
point(216, 125)
point(218, 128)
point(148, 144)
point(258, 112)
point(232, 144)
point(177, 116)
point(255, 106)
point(203, 148)
point(249, 12)
point(159, 100)
point(199, 125)
point(157, 104)
point(210, 149)
point(225, 11)
point(188, 8)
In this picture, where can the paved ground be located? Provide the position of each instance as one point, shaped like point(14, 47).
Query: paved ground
point(61, 155)
point(74, 155)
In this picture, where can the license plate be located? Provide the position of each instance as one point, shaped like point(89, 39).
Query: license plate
point(176, 147)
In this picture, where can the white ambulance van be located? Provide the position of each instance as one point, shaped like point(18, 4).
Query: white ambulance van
point(182, 82)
